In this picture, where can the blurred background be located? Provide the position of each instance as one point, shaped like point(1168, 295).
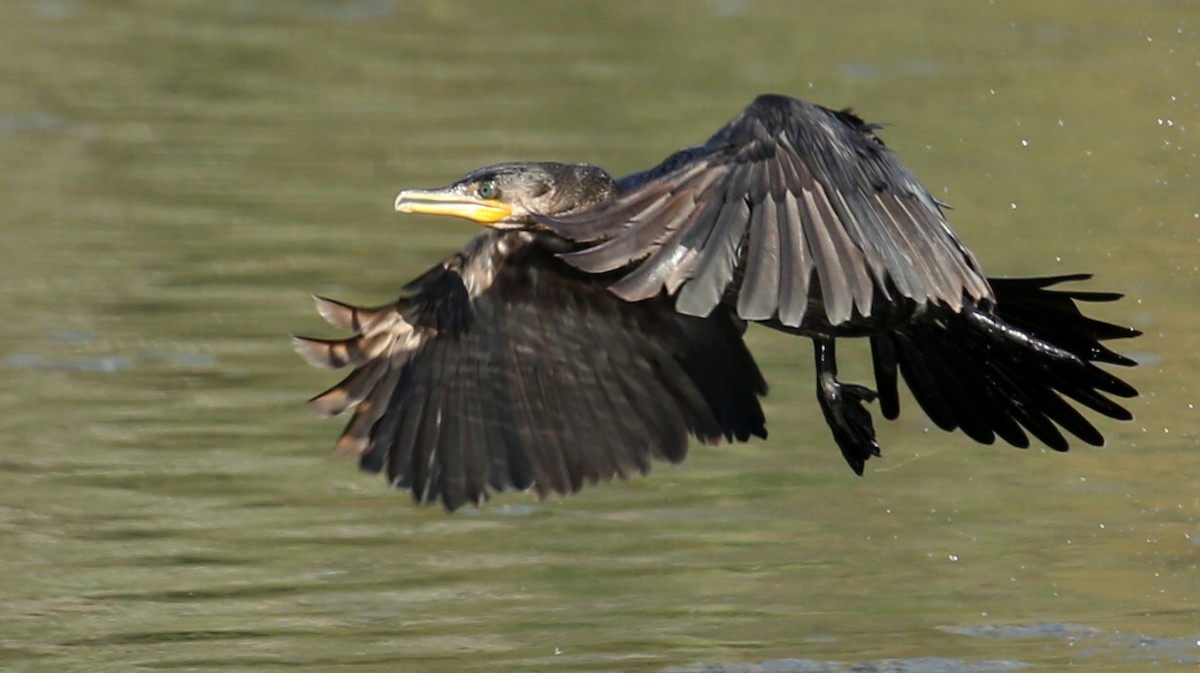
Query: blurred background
point(178, 178)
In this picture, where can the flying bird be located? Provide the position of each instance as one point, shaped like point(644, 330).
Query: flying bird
point(597, 324)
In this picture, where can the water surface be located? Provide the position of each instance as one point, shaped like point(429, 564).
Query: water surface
point(180, 176)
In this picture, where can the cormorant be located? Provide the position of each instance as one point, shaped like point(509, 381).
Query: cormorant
point(598, 322)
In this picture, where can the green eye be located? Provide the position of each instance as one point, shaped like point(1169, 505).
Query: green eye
point(487, 190)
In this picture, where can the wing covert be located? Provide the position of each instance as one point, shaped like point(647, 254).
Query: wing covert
point(788, 209)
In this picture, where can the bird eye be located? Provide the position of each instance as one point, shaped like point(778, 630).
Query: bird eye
point(487, 190)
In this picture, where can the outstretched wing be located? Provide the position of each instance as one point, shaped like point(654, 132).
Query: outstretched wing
point(506, 368)
point(1007, 373)
point(788, 210)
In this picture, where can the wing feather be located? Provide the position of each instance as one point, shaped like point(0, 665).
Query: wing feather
point(759, 295)
point(716, 260)
point(797, 272)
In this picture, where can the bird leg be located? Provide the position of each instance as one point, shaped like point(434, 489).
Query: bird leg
point(842, 404)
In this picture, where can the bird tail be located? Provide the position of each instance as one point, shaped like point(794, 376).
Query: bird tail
point(1006, 372)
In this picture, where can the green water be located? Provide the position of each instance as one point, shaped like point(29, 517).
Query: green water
point(178, 177)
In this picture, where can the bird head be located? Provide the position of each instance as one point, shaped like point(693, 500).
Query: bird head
point(507, 196)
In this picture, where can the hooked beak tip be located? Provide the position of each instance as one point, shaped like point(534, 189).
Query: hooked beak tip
point(447, 202)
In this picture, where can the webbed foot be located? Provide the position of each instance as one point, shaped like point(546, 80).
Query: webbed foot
point(842, 403)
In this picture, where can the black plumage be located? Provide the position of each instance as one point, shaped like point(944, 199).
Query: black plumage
point(599, 323)
point(506, 368)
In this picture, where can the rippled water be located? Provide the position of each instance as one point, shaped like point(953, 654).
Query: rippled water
point(180, 176)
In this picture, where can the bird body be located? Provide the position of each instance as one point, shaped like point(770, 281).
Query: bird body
point(598, 323)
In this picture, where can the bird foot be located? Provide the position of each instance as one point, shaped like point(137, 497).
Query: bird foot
point(851, 423)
